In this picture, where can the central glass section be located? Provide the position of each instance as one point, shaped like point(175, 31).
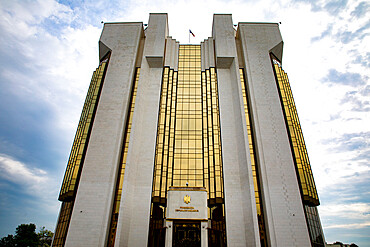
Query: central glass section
point(188, 158)
point(188, 148)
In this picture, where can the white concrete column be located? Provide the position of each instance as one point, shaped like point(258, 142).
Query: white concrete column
point(240, 205)
point(204, 233)
point(285, 220)
point(172, 53)
point(134, 214)
point(93, 203)
point(169, 233)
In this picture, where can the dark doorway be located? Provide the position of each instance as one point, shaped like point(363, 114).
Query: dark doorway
point(186, 234)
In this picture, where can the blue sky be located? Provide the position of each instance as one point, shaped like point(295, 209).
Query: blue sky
point(49, 50)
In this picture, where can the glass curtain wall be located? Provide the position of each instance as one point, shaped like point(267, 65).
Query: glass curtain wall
point(306, 181)
point(188, 148)
point(76, 158)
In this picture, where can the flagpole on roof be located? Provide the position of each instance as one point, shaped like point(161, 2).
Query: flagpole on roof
point(190, 32)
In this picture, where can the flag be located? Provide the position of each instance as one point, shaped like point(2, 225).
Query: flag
point(191, 33)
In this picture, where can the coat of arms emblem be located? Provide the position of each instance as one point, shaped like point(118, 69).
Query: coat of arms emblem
point(187, 199)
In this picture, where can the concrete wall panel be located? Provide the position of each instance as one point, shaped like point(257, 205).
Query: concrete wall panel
point(93, 203)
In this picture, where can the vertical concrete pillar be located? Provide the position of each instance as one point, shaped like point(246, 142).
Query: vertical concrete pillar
point(285, 220)
point(204, 233)
point(93, 203)
point(240, 205)
point(134, 214)
point(169, 233)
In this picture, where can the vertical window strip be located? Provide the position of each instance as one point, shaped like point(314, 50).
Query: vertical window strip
point(218, 151)
point(314, 226)
point(256, 182)
point(158, 164)
point(211, 170)
point(172, 132)
point(63, 222)
point(305, 177)
point(75, 161)
point(166, 141)
point(205, 153)
point(122, 167)
point(306, 180)
point(83, 130)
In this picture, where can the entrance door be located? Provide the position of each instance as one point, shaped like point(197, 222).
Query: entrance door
point(186, 234)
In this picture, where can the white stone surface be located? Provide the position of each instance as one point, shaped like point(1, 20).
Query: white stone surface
point(204, 233)
point(196, 208)
point(93, 203)
point(240, 205)
point(169, 233)
point(134, 214)
point(211, 52)
point(158, 28)
point(172, 53)
point(285, 220)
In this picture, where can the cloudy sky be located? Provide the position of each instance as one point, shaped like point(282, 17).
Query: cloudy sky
point(49, 50)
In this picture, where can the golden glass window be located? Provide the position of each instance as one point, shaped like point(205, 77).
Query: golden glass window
point(298, 146)
point(63, 222)
point(188, 148)
point(75, 161)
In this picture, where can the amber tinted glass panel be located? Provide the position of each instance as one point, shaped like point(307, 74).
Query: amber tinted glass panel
point(188, 149)
point(212, 158)
point(298, 145)
point(256, 182)
point(63, 223)
point(75, 161)
point(119, 184)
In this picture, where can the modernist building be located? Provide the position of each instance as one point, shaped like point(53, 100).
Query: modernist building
point(189, 145)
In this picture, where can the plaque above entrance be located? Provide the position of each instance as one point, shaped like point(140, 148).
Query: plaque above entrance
point(187, 203)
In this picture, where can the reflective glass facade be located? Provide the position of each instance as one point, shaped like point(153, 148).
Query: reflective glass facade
point(314, 226)
point(188, 149)
point(298, 145)
point(75, 162)
point(63, 222)
point(188, 141)
point(304, 173)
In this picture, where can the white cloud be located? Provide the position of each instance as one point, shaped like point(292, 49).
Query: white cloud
point(58, 65)
point(37, 183)
point(17, 172)
point(350, 226)
point(359, 211)
point(21, 18)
